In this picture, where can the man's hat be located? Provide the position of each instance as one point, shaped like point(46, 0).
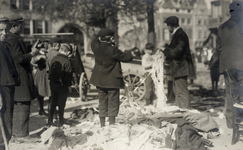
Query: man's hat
point(13, 18)
point(149, 46)
point(172, 20)
point(105, 31)
point(3, 18)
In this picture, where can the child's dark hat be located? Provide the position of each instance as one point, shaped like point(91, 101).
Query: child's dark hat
point(105, 32)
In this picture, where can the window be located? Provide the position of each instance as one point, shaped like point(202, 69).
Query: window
point(37, 25)
point(199, 22)
point(188, 21)
point(26, 27)
point(46, 27)
point(182, 20)
point(24, 4)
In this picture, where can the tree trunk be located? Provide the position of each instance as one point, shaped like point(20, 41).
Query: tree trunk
point(150, 14)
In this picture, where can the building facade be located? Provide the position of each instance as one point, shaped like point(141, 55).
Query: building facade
point(193, 18)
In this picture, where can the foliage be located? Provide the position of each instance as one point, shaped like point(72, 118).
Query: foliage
point(92, 12)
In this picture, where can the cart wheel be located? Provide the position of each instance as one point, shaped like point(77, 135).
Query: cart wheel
point(82, 86)
point(135, 83)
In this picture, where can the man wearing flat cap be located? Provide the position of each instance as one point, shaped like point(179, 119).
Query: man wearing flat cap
point(25, 92)
point(107, 74)
point(182, 66)
point(8, 80)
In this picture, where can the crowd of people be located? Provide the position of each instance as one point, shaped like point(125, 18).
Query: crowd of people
point(27, 73)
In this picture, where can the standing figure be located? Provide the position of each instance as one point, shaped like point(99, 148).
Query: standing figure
point(8, 80)
point(147, 63)
point(214, 71)
point(25, 92)
point(60, 82)
point(42, 83)
point(230, 48)
point(107, 74)
point(182, 65)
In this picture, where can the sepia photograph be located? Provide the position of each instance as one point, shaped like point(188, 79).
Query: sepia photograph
point(121, 74)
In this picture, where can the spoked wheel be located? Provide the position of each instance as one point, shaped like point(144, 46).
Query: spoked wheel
point(83, 86)
point(134, 83)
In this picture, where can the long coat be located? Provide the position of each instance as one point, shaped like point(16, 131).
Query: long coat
point(22, 58)
point(179, 52)
point(107, 72)
point(230, 46)
point(8, 72)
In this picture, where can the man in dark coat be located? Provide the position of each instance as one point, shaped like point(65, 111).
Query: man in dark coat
point(107, 74)
point(230, 48)
point(8, 80)
point(182, 66)
point(25, 92)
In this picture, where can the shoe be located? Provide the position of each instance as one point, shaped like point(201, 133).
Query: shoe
point(42, 130)
point(64, 121)
point(12, 140)
point(43, 113)
point(26, 139)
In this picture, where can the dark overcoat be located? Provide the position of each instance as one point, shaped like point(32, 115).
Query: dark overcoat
point(179, 52)
point(60, 73)
point(22, 57)
point(107, 72)
point(8, 72)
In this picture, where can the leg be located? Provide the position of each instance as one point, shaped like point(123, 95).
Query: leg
point(113, 104)
point(182, 93)
point(149, 89)
point(53, 104)
point(41, 105)
point(7, 93)
point(171, 96)
point(21, 118)
point(62, 98)
point(103, 105)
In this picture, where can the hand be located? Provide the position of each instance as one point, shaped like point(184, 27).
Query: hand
point(69, 89)
point(34, 51)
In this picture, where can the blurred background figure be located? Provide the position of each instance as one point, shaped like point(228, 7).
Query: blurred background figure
point(41, 81)
point(214, 71)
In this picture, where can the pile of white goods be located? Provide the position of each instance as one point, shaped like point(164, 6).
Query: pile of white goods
point(137, 127)
point(158, 78)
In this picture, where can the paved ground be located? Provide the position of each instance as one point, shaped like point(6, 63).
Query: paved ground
point(202, 103)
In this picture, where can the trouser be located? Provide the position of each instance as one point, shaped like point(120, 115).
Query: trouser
point(7, 95)
point(149, 83)
point(182, 97)
point(108, 102)
point(21, 118)
point(57, 99)
point(233, 82)
point(171, 95)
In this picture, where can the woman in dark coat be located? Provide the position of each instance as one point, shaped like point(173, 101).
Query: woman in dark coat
point(25, 92)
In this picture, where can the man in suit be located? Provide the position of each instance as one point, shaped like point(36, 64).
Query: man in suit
point(107, 74)
point(8, 80)
point(182, 66)
point(25, 92)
